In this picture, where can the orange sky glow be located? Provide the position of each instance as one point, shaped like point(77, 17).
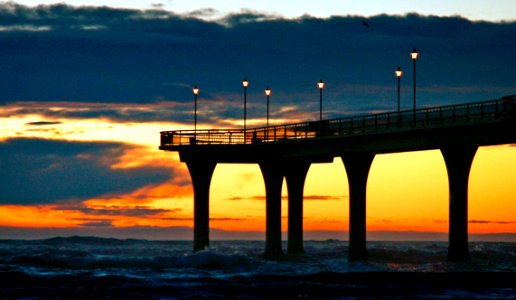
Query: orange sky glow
point(405, 192)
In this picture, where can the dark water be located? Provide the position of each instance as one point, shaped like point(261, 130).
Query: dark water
point(92, 268)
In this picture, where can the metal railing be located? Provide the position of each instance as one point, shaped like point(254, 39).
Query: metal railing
point(404, 120)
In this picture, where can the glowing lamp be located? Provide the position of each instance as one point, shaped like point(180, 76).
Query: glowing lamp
point(398, 72)
point(320, 84)
point(414, 54)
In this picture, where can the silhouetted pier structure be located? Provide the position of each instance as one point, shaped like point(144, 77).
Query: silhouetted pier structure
point(287, 151)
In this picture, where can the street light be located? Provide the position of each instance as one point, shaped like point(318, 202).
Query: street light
point(245, 83)
point(320, 85)
point(398, 73)
point(268, 92)
point(195, 92)
point(413, 55)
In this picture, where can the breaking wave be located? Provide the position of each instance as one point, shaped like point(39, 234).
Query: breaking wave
point(170, 268)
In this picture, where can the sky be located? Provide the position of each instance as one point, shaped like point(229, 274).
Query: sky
point(85, 90)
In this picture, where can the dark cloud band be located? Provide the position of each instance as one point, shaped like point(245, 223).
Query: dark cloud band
point(99, 54)
point(35, 171)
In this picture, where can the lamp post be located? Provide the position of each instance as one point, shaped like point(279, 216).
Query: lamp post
point(398, 73)
point(245, 84)
point(413, 55)
point(320, 85)
point(268, 92)
point(195, 92)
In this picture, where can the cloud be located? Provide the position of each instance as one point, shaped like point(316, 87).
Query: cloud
point(211, 219)
point(490, 222)
point(481, 222)
point(115, 210)
point(100, 54)
point(88, 222)
point(35, 171)
point(323, 198)
point(158, 5)
point(97, 223)
point(226, 219)
point(285, 198)
point(42, 123)
point(204, 13)
point(179, 112)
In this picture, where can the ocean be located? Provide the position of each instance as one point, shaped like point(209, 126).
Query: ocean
point(99, 268)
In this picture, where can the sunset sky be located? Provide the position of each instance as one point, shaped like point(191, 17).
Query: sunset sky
point(85, 90)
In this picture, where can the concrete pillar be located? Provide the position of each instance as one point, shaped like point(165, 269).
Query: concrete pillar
point(295, 174)
point(357, 168)
point(273, 176)
point(458, 161)
point(201, 172)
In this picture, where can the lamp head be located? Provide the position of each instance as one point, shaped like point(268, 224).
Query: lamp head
point(245, 82)
point(195, 90)
point(414, 54)
point(320, 84)
point(398, 72)
point(268, 91)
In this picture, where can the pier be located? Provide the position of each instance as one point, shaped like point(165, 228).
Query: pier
point(287, 151)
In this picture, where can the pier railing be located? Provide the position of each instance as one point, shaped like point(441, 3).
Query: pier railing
point(403, 120)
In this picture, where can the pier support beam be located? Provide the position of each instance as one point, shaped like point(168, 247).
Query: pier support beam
point(273, 176)
point(458, 161)
point(295, 174)
point(357, 168)
point(201, 172)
